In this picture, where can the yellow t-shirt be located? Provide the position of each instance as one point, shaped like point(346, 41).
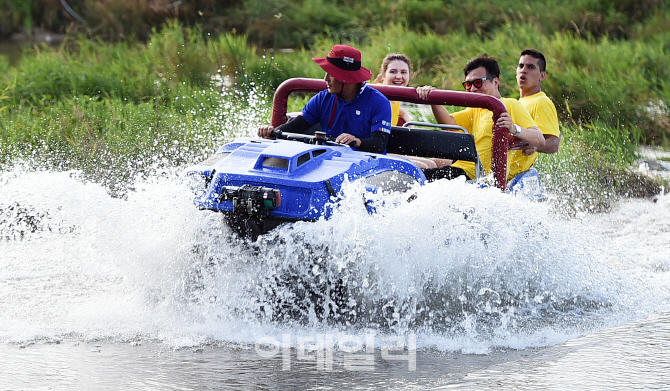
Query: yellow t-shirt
point(543, 111)
point(479, 122)
point(395, 112)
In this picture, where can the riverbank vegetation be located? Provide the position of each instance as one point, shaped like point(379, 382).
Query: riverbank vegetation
point(300, 23)
point(115, 110)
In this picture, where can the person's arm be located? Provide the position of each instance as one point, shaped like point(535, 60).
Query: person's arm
point(300, 124)
point(544, 113)
point(442, 115)
point(296, 125)
point(531, 134)
point(551, 144)
point(527, 129)
point(375, 144)
point(440, 112)
point(404, 115)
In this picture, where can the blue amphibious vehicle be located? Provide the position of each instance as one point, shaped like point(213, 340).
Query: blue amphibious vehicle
point(259, 184)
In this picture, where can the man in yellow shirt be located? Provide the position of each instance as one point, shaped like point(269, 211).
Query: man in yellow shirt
point(482, 75)
point(530, 73)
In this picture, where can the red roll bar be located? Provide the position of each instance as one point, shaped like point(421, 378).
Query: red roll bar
point(408, 94)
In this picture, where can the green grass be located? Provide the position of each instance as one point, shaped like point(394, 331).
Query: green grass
point(298, 23)
point(619, 83)
point(114, 111)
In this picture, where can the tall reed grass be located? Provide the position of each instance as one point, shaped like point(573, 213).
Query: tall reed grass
point(617, 83)
point(131, 107)
point(291, 23)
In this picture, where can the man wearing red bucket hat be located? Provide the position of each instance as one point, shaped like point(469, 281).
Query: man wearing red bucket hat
point(349, 110)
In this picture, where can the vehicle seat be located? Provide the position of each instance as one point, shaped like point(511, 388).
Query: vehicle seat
point(435, 143)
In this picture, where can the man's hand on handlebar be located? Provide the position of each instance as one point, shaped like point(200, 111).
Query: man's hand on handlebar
point(348, 139)
point(269, 132)
point(265, 131)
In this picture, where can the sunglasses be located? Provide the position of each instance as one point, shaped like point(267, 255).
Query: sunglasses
point(477, 82)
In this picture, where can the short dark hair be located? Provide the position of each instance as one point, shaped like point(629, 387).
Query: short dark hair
point(486, 61)
point(539, 56)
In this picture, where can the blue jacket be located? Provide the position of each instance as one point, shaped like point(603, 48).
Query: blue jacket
point(369, 111)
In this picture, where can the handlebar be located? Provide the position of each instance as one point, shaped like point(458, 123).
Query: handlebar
point(319, 138)
point(441, 126)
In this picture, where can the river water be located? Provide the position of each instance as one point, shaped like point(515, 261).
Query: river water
point(461, 288)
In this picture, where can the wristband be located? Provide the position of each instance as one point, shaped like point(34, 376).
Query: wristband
point(518, 130)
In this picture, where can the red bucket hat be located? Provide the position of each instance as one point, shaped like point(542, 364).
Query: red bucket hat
point(344, 64)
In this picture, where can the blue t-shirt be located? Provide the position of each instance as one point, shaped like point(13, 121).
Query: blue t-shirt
point(369, 111)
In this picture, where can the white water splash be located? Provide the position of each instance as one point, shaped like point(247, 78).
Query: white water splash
point(465, 268)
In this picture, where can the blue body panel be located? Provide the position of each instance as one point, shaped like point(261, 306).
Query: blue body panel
point(307, 176)
point(527, 184)
point(260, 184)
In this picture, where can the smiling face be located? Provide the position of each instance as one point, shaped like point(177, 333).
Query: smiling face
point(397, 74)
point(528, 75)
